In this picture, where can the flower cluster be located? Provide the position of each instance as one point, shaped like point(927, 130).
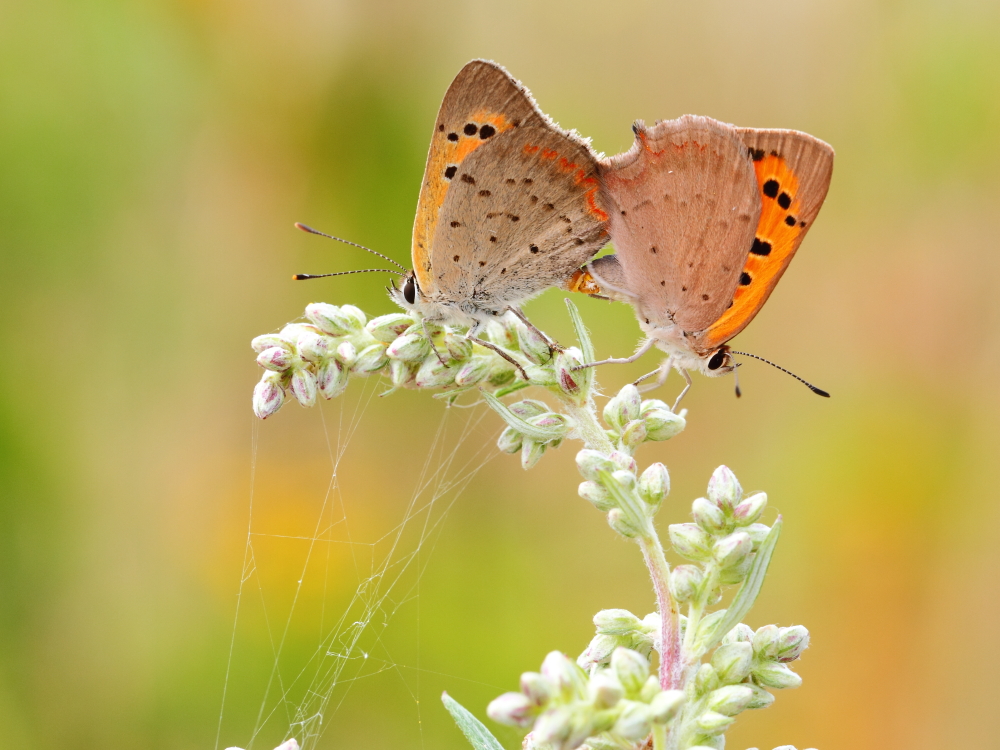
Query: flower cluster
point(613, 487)
point(611, 707)
point(633, 421)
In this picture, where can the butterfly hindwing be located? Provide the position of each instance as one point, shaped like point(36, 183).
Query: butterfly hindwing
point(793, 174)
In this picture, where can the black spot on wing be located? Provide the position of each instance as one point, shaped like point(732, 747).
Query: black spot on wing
point(745, 279)
point(771, 188)
point(790, 220)
point(450, 172)
point(468, 178)
point(784, 200)
point(760, 247)
point(487, 131)
point(470, 128)
point(452, 137)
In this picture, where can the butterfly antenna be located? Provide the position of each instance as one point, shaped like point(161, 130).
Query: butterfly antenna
point(807, 384)
point(305, 228)
point(305, 276)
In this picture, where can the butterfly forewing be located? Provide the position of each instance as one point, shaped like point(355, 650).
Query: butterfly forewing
point(687, 205)
point(522, 214)
point(792, 172)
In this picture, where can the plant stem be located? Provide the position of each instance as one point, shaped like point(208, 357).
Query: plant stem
point(588, 427)
point(659, 571)
point(659, 737)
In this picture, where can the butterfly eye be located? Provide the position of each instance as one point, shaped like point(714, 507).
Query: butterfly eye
point(718, 360)
point(410, 290)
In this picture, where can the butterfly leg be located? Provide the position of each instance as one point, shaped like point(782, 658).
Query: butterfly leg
point(646, 346)
point(661, 372)
point(687, 377)
point(471, 336)
point(430, 340)
point(553, 346)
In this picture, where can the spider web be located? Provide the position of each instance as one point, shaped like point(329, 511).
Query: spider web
point(304, 691)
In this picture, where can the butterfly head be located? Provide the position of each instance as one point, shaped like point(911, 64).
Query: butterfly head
point(719, 362)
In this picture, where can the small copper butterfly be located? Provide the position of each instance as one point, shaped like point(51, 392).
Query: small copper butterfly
point(510, 204)
point(705, 218)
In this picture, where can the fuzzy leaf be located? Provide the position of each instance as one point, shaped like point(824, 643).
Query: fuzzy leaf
point(541, 434)
point(473, 729)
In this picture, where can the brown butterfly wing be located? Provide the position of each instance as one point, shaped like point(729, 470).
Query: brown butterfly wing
point(687, 204)
point(793, 174)
point(522, 213)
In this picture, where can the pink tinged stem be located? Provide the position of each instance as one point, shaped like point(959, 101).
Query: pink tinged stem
point(670, 645)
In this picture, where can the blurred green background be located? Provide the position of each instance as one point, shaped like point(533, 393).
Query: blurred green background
point(153, 156)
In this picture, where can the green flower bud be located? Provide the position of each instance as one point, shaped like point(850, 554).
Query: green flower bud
point(634, 434)
point(791, 642)
point(736, 574)
point(598, 651)
point(761, 698)
point(730, 700)
point(537, 689)
point(623, 408)
point(713, 722)
point(501, 373)
point(331, 319)
point(708, 515)
point(604, 690)
point(758, 533)
point(750, 510)
point(473, 370)
point(665, 706)
point(690, 542)
point(529, 408)
point(432, 374)
point(765, 642)
point(510, 440)
point(564, 675)
point(569, 382)
point(654, 484)
point(555, 424)
point(269, 341)
point(732, 550)
point(532, 345)
point(554, 727)
point(459, 347)
point(370, 359)
point(400, 372)
point(633, 722)
point(684, 582)
point(346, 353)
point(386, 328)
point(332, 378)
point(776, 676)
point(596, 494)
point(663, 424)
point(723, 488)
point(616, 621)
point(355, 316)
point(625, 479)
point(591, 463)
point(705, 680)
point(314, 346)
point(650, 689)
point(303, 386)
point(268, 395)
point(732, 662)
point(276, 358)
point(513, 709)
point(411, 347)
point(531, 452)
point(618, 521)
point(624, 461)
point(740, 634)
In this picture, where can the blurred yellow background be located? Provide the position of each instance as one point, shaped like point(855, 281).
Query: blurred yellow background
point(153, 156)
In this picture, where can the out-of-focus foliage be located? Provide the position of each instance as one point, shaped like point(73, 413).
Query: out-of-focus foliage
point(153, 157)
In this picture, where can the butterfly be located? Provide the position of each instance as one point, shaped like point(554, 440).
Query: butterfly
point(705, 218)
point(510, 204)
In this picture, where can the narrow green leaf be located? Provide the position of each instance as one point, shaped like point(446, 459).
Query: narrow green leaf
point(748, 592)
point(516, 386)
point(473, 729)
point(586, 346)
point(540, 434)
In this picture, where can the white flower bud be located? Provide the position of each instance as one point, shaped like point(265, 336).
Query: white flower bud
point(616, 621)
point(732, 550)
point(631, 668)
point(355, 317)
point(634, 433)
point(761, 698)
point(624, 461)
point(268, 395)
point(750, 510)
point(569, 382)
point(684, 582)
point(633, 722)
point(776, 676)
point(276, 358)
point(758, 533)
point(553, 727)
point(650, 689)
point(557, 425)
point(432, 374)
point(705, 679)
point(346, 353)
point(625, 479)
point(534, 346)
point(331, 378)
point(654, 484)
point(268, 341)
point(370, 359)
point(591, 463)
point(730, 700)
point(595, 493)
point(723, 488)
point(472, 371)
point(736, 574)
point(409, 348)
point(529, 407)
point(708, 515)
point(288, 745)
point(512, 709)
point(303, 386)
point(459, 347)
point(742, 633)
point(663, 424)
point(510, 440)
point(623, 408)
point(791, 642)
point(690, 542)
point(531, 452)
point(330, 319)
point(732, 662)
point(314, 346)
point(620, 523)
point(712, 722)
point(604, 690)
point(538, 690)
point(386, 328)
point(765, 642)
point(665, 706)
point(598, 652)
point(565, 675)
point(400, 373)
